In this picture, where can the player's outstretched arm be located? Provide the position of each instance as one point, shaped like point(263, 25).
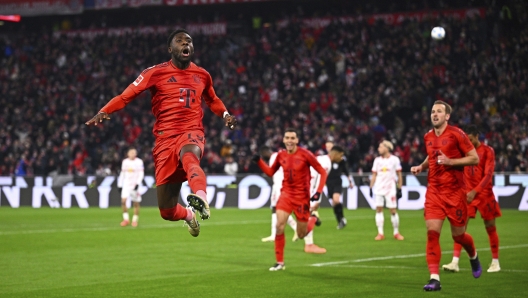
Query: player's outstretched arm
point(270, 171)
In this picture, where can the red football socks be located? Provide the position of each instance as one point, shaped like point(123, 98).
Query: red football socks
point(175, 213)
point(494, 241)
point(467, 242)
point(195, 174)
point(279, 248)
point(456, 250)
point(311, 223)
point(433, 251)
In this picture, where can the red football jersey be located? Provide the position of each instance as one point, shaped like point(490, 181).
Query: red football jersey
point(454, 143)
point(479, 177)
point(176, 97)
point(296, 167)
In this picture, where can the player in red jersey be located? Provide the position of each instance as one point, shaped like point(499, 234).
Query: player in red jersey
point(448, 151)
point(295, 192)
point(479, 189)
point(177, 88)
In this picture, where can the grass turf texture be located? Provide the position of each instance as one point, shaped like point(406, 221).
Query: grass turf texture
point(85, 253)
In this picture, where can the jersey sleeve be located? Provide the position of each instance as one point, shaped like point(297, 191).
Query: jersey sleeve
point(141, 172)
point(344, 166)
point(269, 170)
point(375, 165)
point(397, 163)
point(317, 166)
point(121, 175)
point(143, 82)
point(489, 167)
point(464, 144)
point(213, 102)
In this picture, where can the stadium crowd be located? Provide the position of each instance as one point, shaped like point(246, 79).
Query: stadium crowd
point(357, 83)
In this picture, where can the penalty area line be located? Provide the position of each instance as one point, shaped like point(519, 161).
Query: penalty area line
point(403, 256)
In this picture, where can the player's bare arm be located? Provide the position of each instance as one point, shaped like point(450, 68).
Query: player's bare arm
point(400, 180)
point(470, 159)
point(423, 167)
point(98, 118)
point(373, 179)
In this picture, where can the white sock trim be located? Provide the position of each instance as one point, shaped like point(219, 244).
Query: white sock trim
point(125, 216)
point(308, 239)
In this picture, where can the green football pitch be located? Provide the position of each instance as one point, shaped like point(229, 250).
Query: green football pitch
point(85, 253)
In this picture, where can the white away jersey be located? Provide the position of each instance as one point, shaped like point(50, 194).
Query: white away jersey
point(279, 175)
point(386, 169)
point(326, 163)
point(132, 173)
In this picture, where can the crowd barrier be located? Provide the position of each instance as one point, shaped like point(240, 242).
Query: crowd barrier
point(241, 191)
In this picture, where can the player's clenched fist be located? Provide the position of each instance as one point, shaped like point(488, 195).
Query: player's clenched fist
point(230, 121)
point(98, 118)
point(416, 170)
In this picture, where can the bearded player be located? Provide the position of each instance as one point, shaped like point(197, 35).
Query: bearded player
point(480, 197)
point(448, 151)
point(295, 193)
point(177, 88)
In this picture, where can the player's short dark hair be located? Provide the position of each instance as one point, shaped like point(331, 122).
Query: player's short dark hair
point(289, 129)
point(264, 149)
point(338, 149)
point(472, 129)
point(448, 108)
point(171, 36)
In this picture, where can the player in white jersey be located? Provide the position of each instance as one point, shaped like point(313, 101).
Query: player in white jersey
point(266, 153)
point(130, 178)
point(385, 188)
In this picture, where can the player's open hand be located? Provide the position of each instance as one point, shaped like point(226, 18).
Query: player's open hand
point(230, 121)
point(471, 195)
point(98, 118)
point(416, 170)
point(255, 158)
point(350, 183)
point(443, 159)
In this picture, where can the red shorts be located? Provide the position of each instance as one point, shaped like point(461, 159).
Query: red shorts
point(166, 156)
point(487, 206)
point(301, 208)
point(453, 206)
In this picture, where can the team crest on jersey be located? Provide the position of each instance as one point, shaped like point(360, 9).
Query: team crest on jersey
point(444, 142)
point(197, 79)
point(138, 80)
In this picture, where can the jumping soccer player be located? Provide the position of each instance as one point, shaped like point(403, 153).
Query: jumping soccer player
point(295, 192)
point(480, 197)
point(177, 88)
point(383, 186)
point(129, 180)
point(448, 150)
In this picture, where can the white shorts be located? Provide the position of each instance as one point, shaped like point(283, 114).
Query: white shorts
point(275, 194)
point(389, 201)
point(129, 193)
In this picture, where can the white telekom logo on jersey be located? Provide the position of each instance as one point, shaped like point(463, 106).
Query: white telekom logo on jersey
point(138, 80)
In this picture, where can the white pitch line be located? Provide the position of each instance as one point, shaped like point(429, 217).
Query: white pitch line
point(155, 226)
point(403, 256)
point(414, 268)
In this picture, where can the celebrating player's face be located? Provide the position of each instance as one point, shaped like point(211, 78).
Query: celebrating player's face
point(438, 115)
point(290, 141)
point(182, 47)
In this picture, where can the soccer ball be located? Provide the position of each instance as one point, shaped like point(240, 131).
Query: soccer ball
point(438, 33)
